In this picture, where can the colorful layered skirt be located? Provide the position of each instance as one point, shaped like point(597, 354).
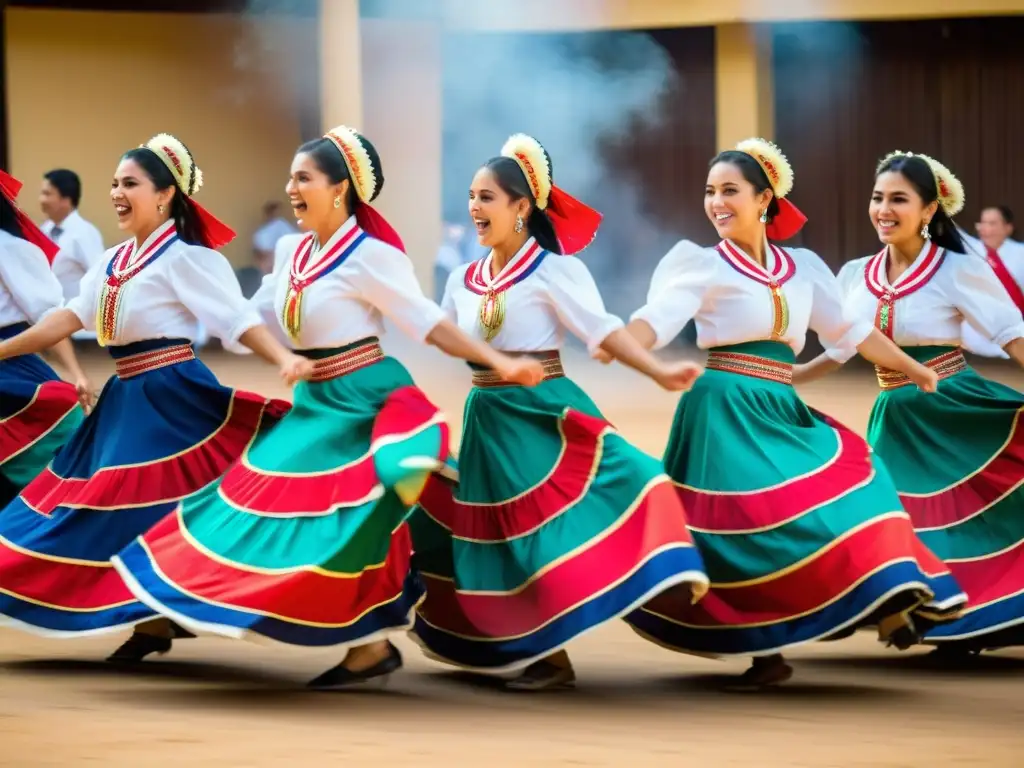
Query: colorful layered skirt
point(957, 457)
point(305, 540)
point(800, 526)
point(38, 413)
point(557, 525)
point(162, 429)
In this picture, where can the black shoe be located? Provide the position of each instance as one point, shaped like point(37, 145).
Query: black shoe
point(139, 646)
point(341, 677)
point(903, 638)
point(543, 676)
point(178, 632)
point(765, 672)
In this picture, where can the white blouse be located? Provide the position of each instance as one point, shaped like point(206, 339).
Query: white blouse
point(179, 287)
point(928, 304)
point(730, 298)
point(544, 294)
point(28, 288)
point(353, 282)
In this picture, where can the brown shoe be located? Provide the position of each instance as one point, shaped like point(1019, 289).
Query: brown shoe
point(765, 672)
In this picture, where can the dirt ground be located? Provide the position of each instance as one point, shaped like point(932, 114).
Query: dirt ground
point(218, 702)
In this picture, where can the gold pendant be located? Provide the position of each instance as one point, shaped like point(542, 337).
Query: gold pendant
point(292, 315)
point(492, 313)
point(780, 311)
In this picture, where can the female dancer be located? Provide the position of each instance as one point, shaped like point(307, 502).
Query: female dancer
point(38, 411)
point(801, 529)
point(958, 456)
point(304, 541)
point(163, 427)
point(558, 524)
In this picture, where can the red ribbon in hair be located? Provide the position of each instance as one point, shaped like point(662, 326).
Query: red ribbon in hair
point(786, 223)
point(375, 225)
point(212, 231)
point(575, 223)
point(10, 187)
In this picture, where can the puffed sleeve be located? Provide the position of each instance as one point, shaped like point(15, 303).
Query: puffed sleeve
point(678, 287)
point(86, 303)
point(577, 302)
point(840, 333)
point(206, 285)
point(385, 278)
point(27, 275)
point(983, 301)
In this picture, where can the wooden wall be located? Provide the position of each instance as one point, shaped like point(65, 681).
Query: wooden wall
point(847, 94)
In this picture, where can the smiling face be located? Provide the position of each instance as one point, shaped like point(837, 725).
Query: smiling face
point(733, 205)
point(312, 193)
point(54, 205)
point(493, 210)
point(897, 210)
point(136, 199)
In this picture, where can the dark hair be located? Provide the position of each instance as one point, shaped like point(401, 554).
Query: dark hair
point(917, 171)
point(1004, 211)
point(185, 218)
point(8, 219)
point(66, 183)
point(329, 160)
point(512, 180)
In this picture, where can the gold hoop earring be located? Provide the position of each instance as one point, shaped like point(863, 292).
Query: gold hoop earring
point(519, 224)
point(924, 231)
point(764, 216)
point(337, 201)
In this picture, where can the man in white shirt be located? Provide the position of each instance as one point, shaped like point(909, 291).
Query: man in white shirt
point(995, 245)
point(265, 239)
point(81, 244)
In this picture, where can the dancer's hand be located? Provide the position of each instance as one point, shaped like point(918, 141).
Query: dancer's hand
point(926, 379)
point(601, 356)
point(86, 394)
point(296, 368)
point(521, 370)
point(678, 376)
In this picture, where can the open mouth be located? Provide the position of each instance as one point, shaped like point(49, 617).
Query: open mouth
point(482, 226)
point(886, 226)
point(298, 207)
point(123, 210)
point(722, 218)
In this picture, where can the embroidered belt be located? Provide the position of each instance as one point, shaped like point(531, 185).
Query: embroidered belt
point(335, 366)
point(144, 362)
point(751, 365)
point(945, 365)
point(551, 362)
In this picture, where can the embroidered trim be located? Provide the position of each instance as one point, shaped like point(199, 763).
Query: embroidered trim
point(782, 269)
point(478, 280)
point(945, 365)
point(144, 362)
point(751, 365)
point(915, 278)
point(339, 365)
point(551, 362)
point(301, 275)
point(119, 272)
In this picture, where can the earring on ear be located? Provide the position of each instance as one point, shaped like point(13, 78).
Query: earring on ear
point(160, 208)
point(519, 224)
point(337, 201)
point(764, 216)
point(924, 230)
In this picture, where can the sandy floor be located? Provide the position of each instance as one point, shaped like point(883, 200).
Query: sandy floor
point(214, 702)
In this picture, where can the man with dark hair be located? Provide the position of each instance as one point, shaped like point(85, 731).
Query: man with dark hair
point(995, 244)
point(81, 244)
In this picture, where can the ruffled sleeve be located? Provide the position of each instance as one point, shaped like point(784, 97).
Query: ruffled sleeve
point(86, 303)
point(983, 301)
point(840, 333)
